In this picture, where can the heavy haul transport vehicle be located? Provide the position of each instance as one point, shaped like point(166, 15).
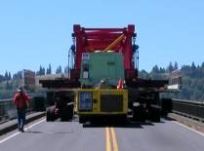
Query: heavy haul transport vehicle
point(103, 81)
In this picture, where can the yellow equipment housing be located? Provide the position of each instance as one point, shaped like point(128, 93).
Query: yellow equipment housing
point(91, 103)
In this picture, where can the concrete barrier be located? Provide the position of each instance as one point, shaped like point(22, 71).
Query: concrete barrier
point(12, 113)
point(12, 124)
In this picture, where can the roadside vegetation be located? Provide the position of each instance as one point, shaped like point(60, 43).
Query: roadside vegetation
point(192, 80)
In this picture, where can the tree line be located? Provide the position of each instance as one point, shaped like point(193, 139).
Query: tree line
point(42, 71)
point(9, 83)
point(59, 69)
point(192, 79)
point(5, 77)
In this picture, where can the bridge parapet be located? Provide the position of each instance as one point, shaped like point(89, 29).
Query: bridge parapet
point(8, 110)
point(191, 109)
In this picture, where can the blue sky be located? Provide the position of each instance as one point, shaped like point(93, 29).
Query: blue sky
point(38, 32)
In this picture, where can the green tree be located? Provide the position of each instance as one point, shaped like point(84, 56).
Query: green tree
point(66, 70)
point(144, 74)
point(59, 70)
point(175, 66)
point(49, 70)
point(1, 78)
point(155, 69)
point(6, 77)
point(41, 71)
point(170, 68)
point(17, 75)
point(9, 76)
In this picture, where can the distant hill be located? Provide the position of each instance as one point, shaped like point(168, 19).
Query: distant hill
point(192, 80)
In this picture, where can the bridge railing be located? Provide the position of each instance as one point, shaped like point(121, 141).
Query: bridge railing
point(192, 109)
point(5, 105)
point(8, 109)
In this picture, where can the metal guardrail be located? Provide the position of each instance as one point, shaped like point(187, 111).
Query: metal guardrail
point(5, 106)
point(8, 109)
point(191, 109)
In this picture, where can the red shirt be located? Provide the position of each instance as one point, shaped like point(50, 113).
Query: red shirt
point(20, 100)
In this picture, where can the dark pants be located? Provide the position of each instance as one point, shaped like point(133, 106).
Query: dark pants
point(21, 118)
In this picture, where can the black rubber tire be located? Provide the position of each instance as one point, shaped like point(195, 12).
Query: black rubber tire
point(82, 119)
point(67, 113)
point(166, 105)
point(50, 114)
point(139, 114)
point(155, 114)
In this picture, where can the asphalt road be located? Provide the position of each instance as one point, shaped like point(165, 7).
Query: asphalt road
point(72, 136)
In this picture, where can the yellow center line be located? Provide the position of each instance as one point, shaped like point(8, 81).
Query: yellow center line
point(108, 144)
point(111, 141)
point(115, 143)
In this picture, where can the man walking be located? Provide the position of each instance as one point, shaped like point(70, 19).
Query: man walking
point(21, 100)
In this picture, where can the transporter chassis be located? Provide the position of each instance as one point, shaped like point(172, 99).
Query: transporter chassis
point(137, 98)
point(143, 103)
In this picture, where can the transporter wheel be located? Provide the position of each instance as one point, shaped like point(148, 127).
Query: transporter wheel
point(166, 105)
point(139, 114)
point(82, 119)
point(67, 113)
point(155, 113)
point(50, 114)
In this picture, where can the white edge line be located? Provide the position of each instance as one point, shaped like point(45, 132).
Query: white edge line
point(189, 128)
point(15, 134)
point(35, 124)
point(9, 137)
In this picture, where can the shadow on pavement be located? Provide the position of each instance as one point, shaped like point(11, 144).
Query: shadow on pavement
point(127, 124)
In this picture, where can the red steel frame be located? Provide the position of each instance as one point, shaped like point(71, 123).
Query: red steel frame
point(91, 39)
